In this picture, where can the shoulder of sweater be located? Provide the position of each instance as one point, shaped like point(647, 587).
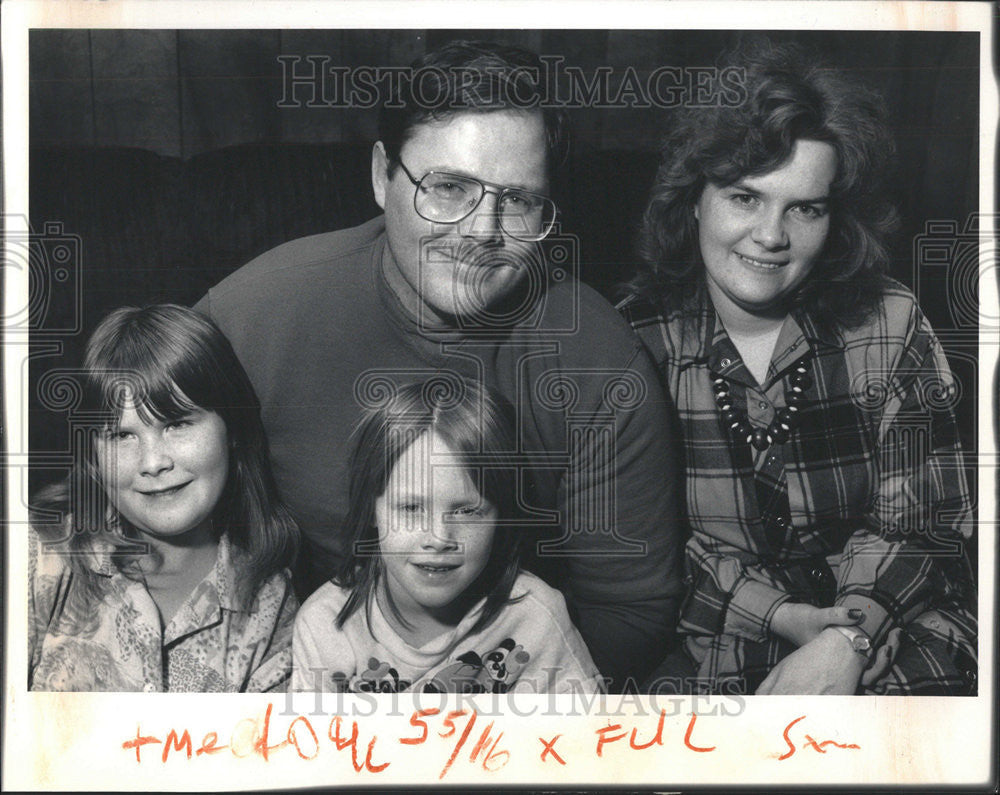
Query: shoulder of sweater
point(301, 259)
point(571, 293)
point(587, 319)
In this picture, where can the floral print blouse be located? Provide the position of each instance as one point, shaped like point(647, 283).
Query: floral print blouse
point(118, 643)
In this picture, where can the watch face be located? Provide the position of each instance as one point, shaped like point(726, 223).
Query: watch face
point(862, 644)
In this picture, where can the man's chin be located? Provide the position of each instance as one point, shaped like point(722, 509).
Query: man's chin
point(490, 296)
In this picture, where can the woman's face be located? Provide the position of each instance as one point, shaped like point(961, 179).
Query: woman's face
point(761, 236)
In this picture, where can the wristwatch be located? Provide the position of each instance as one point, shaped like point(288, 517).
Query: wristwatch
point(860, 642)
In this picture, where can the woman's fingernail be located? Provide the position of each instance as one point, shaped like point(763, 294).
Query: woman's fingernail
point(855, 613)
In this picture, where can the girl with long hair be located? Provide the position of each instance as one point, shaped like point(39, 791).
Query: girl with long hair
point(160, 563)
point(431, 596)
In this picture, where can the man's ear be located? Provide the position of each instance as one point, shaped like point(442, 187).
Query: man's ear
point(380, 173)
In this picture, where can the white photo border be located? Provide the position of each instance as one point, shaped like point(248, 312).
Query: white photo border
point(54, 741)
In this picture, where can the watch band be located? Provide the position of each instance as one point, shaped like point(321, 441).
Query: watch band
point(860, 641)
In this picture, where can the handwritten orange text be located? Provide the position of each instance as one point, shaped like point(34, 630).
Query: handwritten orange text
point(492, 758)
point(253, 737)
point(608, 734)
point(810, 742)
point(450, 739)
point(256, 737)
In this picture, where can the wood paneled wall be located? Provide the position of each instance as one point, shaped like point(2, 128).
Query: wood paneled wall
point(183, 92)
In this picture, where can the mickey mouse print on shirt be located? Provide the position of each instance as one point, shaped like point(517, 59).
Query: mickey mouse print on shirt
point(467, 673)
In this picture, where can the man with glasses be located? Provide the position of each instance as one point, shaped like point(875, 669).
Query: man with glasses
point(452, 283)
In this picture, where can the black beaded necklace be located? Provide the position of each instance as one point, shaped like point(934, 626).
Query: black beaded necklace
point(785, 421)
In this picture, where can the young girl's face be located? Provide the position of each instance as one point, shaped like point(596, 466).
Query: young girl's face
point(165, 477)
point(435, 530)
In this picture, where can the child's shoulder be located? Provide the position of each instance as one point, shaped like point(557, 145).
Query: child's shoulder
point(534, 597)
point(324, 604)
point(50, 552)
point(528, 583)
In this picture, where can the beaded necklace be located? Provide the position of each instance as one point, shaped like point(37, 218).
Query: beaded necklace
point(785, 421)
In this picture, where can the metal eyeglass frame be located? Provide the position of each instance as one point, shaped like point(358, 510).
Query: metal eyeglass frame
point(488, 187)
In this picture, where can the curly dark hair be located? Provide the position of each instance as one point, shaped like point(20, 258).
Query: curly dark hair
point(789, 96)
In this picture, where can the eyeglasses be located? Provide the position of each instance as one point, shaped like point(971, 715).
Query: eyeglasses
point(448, 198)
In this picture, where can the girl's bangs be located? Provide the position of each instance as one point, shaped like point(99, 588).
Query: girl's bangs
point(154, 394)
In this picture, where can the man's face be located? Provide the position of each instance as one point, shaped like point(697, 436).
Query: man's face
point(446, 271)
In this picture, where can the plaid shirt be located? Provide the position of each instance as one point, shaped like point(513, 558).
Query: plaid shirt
point(865, 506)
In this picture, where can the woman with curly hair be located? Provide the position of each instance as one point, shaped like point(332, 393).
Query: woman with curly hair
point(825, 488)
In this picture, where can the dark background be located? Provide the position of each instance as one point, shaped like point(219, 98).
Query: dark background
point(165, 156)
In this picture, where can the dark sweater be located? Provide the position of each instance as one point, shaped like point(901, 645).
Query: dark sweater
point(318, 330)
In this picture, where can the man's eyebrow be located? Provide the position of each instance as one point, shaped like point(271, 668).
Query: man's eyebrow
point(458, 172)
